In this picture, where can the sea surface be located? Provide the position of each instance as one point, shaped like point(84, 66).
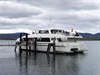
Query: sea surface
point(42, 64)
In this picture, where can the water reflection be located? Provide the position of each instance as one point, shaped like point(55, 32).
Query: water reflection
point(51, 59)
point(49, 64)
point(23, 65)
point(42, 64)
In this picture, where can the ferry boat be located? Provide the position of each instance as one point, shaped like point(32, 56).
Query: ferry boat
point(65, 42)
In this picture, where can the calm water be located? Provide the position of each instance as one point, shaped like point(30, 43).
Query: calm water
point(42, 64)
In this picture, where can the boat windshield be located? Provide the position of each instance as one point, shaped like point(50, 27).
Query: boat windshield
point(43, 40)
point(61, 39)
point(43, 31)
point(54, 31)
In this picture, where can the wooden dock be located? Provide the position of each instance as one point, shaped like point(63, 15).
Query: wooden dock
point(35, 45)
point(8, 43)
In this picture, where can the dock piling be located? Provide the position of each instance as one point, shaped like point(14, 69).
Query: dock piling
point(51, 45)
point(26, 41)
point(20, 49)
point(15, 47)
point(54, 46)
point(35, 44)
point(48, 48)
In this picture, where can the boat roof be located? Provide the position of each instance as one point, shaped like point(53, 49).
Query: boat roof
point(51, 29)
point(46, 36)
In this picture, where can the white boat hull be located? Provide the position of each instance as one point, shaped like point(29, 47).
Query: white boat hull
point(60, 47)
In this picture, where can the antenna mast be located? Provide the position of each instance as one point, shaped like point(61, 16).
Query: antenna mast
point(49, 23)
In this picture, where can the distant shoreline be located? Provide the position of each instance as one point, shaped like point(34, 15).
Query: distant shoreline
point(84, 39)
point(7, 39)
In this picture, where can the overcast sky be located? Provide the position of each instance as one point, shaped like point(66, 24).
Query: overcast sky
point(81, 15)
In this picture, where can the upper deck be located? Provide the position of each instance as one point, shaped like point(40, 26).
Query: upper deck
point(51, 31)
point(60, 31)
point(56, 33)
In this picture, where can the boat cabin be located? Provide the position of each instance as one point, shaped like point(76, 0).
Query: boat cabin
point(51, 31)
point(45, 38)
point(48, 35)
point(58, 31)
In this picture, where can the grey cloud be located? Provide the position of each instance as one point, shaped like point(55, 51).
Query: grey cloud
point(79, 14)
point(16, 9)
point(64, 4)
point(17, 21)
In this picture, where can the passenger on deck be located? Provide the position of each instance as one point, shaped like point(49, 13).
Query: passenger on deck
point(72, 33)
point(76, 34)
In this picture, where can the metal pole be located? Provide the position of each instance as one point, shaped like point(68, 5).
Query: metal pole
point(54, 48)
point(20, 50)
point(26, 41)
point(35, 44)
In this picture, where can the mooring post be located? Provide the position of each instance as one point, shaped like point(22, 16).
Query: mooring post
point(35, 44)
point(26, 45)
point(26, 42)
point(20, 50)
point(15, 47)
point(54, 46)
point(48, 48)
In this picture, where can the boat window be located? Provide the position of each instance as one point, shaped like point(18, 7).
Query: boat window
point(53, 31)
point(53, 38)
point(67, 33)
point(24, 39)
point(43, 40)
point(43, 31)
point(59, 40)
